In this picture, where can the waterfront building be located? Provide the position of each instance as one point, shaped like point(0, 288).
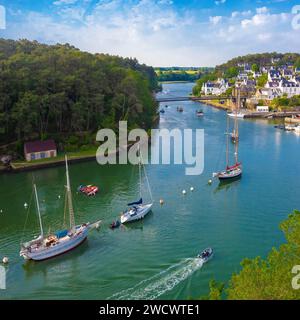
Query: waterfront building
point(215, 88)
point(290, 88)
point(40, 150)
point(262, 109)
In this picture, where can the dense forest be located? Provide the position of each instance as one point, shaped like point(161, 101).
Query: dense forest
point(54, 91)
point(271, 278)
point(230, 69)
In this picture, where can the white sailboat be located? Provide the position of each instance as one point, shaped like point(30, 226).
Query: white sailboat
point(231, 171)
point(137, 210)
point(46, 247)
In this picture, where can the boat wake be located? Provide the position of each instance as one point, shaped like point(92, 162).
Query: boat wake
point(166, 280)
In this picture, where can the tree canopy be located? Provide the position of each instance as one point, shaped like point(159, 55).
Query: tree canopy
point(52, 91)
point(271, 278)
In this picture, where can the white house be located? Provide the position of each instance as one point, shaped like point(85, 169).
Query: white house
point(274, 75)
point(275, 60)
point(288, 74)
point(268, 93)
point(242, 76)
point(215, 88)
point(262, 109)
point(289, 88)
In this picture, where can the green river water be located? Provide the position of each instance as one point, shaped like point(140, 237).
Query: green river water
point(154, 259)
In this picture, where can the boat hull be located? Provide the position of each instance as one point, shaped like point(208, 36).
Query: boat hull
point(238, 115)
point(141, 213)
point(226, 177)
point(58, 249)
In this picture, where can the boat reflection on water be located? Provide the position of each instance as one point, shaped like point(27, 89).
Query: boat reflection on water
point(226, 185)
point(137, 225)
point(63, 262)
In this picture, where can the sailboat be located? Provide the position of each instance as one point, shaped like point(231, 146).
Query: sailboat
point(51, 245)
point(231, 171)
point(138, 210)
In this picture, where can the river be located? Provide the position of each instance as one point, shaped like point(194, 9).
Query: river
point(154, 259)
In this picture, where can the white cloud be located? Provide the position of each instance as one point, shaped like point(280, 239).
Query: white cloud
point(64, 2)
point(157, 34)
point(215, 20)
point(262, 10)
point(220, 2)
point(236, 14)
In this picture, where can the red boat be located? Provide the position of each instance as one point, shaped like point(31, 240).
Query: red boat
point(89, 190)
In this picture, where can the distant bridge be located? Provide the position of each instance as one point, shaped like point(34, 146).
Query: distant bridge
point(170, 99)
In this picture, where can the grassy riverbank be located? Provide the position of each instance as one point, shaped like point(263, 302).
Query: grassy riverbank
point(43, 163)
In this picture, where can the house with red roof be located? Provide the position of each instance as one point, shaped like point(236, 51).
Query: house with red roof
point(35, 150)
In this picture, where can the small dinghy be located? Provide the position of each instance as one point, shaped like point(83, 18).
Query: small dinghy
point(89, 190)
point(199, 113)
point(115, 224)
point(206, 255)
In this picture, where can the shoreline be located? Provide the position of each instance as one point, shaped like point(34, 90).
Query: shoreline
point(214, 104)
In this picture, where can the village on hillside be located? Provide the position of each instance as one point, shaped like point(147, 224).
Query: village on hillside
point(270, 85)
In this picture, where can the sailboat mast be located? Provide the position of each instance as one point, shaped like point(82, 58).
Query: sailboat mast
point(140, 173)
point(69, 195)
point(227, 143)
point(38, 210)
point(236, 126)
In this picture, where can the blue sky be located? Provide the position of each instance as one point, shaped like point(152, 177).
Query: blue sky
point(161, 32)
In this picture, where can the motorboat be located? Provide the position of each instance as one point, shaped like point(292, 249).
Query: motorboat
point(206, 255)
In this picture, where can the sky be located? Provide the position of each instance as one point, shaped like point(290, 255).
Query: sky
point(159, 32)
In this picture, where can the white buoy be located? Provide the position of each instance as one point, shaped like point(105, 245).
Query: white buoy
point(161, 201)
point(25, 205)
point(192, 189)
point(209, 181)
point(183, 192)
point(5, 260)
point(1, 211)
point(59, 197)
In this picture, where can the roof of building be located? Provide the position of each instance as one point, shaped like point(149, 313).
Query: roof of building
point(289, 84)
point(39, 146)
point(273, 84)
point(275, 73)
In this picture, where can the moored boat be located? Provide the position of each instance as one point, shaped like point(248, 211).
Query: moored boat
point(48, 246)
point(199, 113)
point(236, 115)
point(138, 210)
point(234, 171)
point(89, 190)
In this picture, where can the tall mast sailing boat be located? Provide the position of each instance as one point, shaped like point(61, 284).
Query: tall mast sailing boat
point(137, 210)
point(235, 134)
point(46, 247)
point(231, 171)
